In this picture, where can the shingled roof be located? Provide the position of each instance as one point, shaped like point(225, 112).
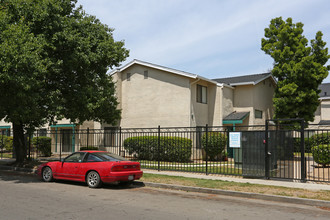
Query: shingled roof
point(244, 80)
point(325, 90)
point(236, 116)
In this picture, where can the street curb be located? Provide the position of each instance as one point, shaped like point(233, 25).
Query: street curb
point(284, 199)
point(273, 198)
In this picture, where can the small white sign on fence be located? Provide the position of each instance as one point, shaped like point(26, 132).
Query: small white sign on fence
point(235, 139)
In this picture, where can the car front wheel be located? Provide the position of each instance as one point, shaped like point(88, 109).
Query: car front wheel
point(93, 179)
point(47, 174)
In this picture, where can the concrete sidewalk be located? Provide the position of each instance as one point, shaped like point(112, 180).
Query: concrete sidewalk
point(308, 185)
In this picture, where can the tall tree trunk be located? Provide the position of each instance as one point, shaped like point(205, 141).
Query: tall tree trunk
point(19, 143)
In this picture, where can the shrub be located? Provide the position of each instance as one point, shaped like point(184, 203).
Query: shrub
point(6, 142)
point(216, 143)
point(321, 154)
point(297, 141)
point(43, 145)
point(89, 148)
point(172, 149)
point(319, 139)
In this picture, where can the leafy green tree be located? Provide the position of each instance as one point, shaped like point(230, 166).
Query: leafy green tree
point(298, 68)
point(53, 64)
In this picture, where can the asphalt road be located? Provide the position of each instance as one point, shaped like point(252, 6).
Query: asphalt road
point(24, 196)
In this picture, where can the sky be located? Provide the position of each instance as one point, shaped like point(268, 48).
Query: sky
point(210, 38)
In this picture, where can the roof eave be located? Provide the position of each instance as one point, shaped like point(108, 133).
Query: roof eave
point(324, 98)
point(178, 72)
point(242, 84)
point(270, 75)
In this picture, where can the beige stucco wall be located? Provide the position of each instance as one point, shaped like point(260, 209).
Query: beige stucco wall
point(227, 101)
point(199, 110)
point(205, 113)
point(3, 123)
point(263, 100)
point(161, 99)
point(317, 115)
point(255, 97)
point(325, 110)
point(116, 78)
point(215, 115)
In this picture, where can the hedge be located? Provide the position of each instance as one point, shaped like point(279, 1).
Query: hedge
point(319, 139)
point(7, 142)
point(216, 143)
point(315, 140)
point(43, 145)
point(321, 154)
point(172, 149)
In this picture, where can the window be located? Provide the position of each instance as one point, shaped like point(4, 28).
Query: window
point(257, 113)
point(76, 157)
point(201, 94)
point(106, 156)
point(128, 76)
point(5, 131)
point(146, 74)
point(93, 158)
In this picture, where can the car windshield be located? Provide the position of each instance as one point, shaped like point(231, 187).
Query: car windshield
point(109, 156)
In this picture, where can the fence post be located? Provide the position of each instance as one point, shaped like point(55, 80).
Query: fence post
point(302, 151)
point(56, 139)
point(266, 152)
point(206, 140)
point(120, 141)
point(158, 148)
point(87, 137)
point(61, 134)
point(30, 137)
point(2, 145)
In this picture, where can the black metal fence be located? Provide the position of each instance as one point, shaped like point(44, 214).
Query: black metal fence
point(269, 151)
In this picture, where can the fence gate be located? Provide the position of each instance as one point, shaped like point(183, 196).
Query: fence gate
point(270, 153)
point(253, 154)
point(281, 160)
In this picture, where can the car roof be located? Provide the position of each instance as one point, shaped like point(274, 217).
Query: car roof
point(93, 151)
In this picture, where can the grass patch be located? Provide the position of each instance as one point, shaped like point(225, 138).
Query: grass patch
point(219, 167)
point(211, 170)
point(240, 187)
point(186, 163)
point(298, 154)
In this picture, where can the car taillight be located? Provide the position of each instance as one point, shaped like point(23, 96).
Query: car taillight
point(118, 168)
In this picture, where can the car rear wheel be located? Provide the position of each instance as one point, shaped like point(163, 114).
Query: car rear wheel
point(47, 174)
point(93, 179)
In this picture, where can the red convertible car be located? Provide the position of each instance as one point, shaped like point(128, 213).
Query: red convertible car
point(92, 167)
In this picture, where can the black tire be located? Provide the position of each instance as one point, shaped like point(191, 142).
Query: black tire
point(93, 179)
point(47, 174)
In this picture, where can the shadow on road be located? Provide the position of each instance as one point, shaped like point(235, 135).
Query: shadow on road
point(110, 186)
point(18, 177)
